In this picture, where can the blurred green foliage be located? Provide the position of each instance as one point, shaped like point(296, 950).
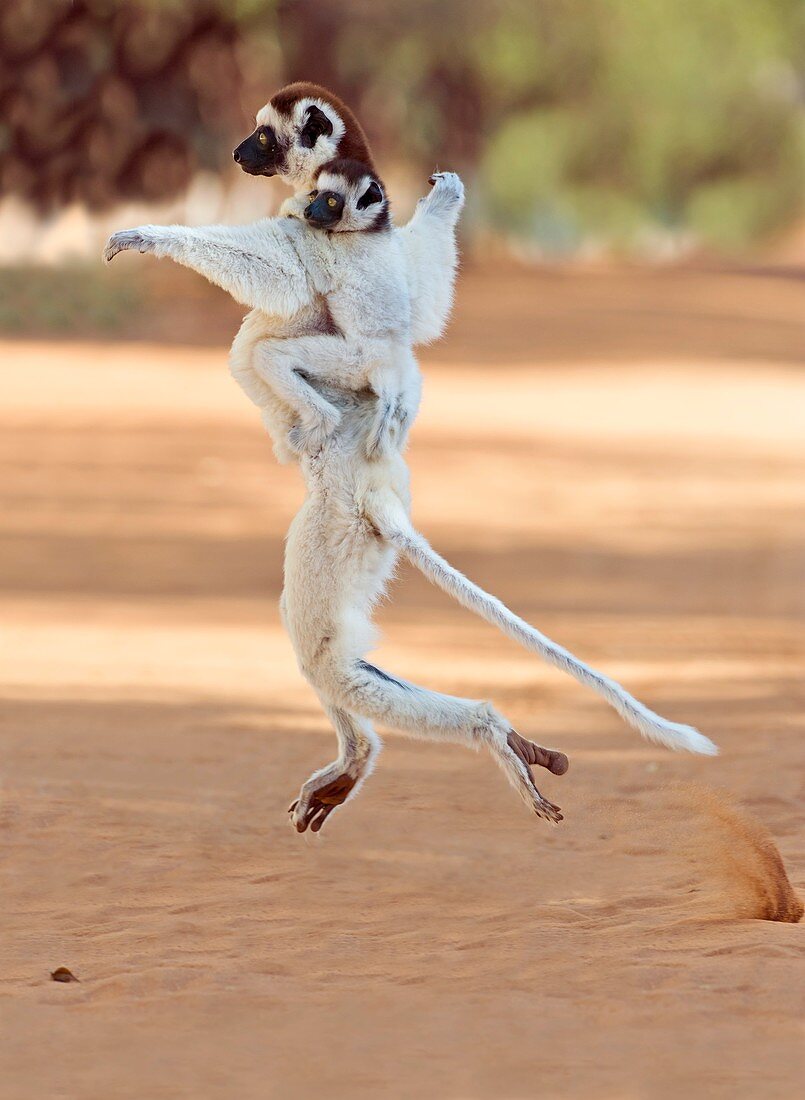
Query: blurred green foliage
point(608, 118)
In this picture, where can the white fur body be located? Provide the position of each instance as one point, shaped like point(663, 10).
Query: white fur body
point(409, 275)
point(343, 544)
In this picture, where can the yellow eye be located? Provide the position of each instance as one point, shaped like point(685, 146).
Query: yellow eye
point(331, 201)
point(262, 137)
point(312, 194)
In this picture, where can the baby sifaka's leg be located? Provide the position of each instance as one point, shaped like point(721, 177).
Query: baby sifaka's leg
point(292, 367)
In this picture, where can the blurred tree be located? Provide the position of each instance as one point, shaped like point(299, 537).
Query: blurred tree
point(103, 100)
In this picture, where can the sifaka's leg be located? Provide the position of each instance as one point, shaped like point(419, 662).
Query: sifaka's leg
point(334, 784)
point(361, 688)
point(326, 613)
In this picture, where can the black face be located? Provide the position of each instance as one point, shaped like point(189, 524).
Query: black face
point(260, 154)
point(325, 209)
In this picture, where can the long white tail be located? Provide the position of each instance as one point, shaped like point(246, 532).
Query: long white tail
point(395, 526)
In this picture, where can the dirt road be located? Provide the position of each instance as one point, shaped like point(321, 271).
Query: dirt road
point(627, 470)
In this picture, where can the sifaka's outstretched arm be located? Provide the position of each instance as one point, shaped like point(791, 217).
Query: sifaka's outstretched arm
point(431, 252)
point(257, 264)
point(387, 514)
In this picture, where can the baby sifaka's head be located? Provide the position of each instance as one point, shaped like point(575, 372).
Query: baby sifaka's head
point(347, 198)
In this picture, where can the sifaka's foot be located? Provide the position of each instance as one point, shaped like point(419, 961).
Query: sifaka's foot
point(312, 810)
point(528, 754)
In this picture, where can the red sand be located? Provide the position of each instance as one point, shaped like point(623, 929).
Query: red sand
point(637, 454)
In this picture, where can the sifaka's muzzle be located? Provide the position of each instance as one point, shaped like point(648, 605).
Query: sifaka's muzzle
point(325, 210)
point(260, 154)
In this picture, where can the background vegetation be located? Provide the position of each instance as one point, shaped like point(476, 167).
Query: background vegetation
point(578, 122)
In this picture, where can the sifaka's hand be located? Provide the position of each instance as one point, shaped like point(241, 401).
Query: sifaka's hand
point(127, 240)
point(447, 193)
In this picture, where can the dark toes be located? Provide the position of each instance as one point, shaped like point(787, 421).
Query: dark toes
point(322, 816)
point(549, 811)
point(322, 804)
point(310, 815)
point(305, 821)
point(336, 792)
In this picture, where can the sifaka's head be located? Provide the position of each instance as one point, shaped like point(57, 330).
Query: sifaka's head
point(301, 128)
point(347, 198)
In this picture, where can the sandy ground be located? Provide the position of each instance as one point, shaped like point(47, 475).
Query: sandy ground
point(627, 470)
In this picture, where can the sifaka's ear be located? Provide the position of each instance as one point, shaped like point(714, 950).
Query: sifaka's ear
point(316, 125)
point(371, 195)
